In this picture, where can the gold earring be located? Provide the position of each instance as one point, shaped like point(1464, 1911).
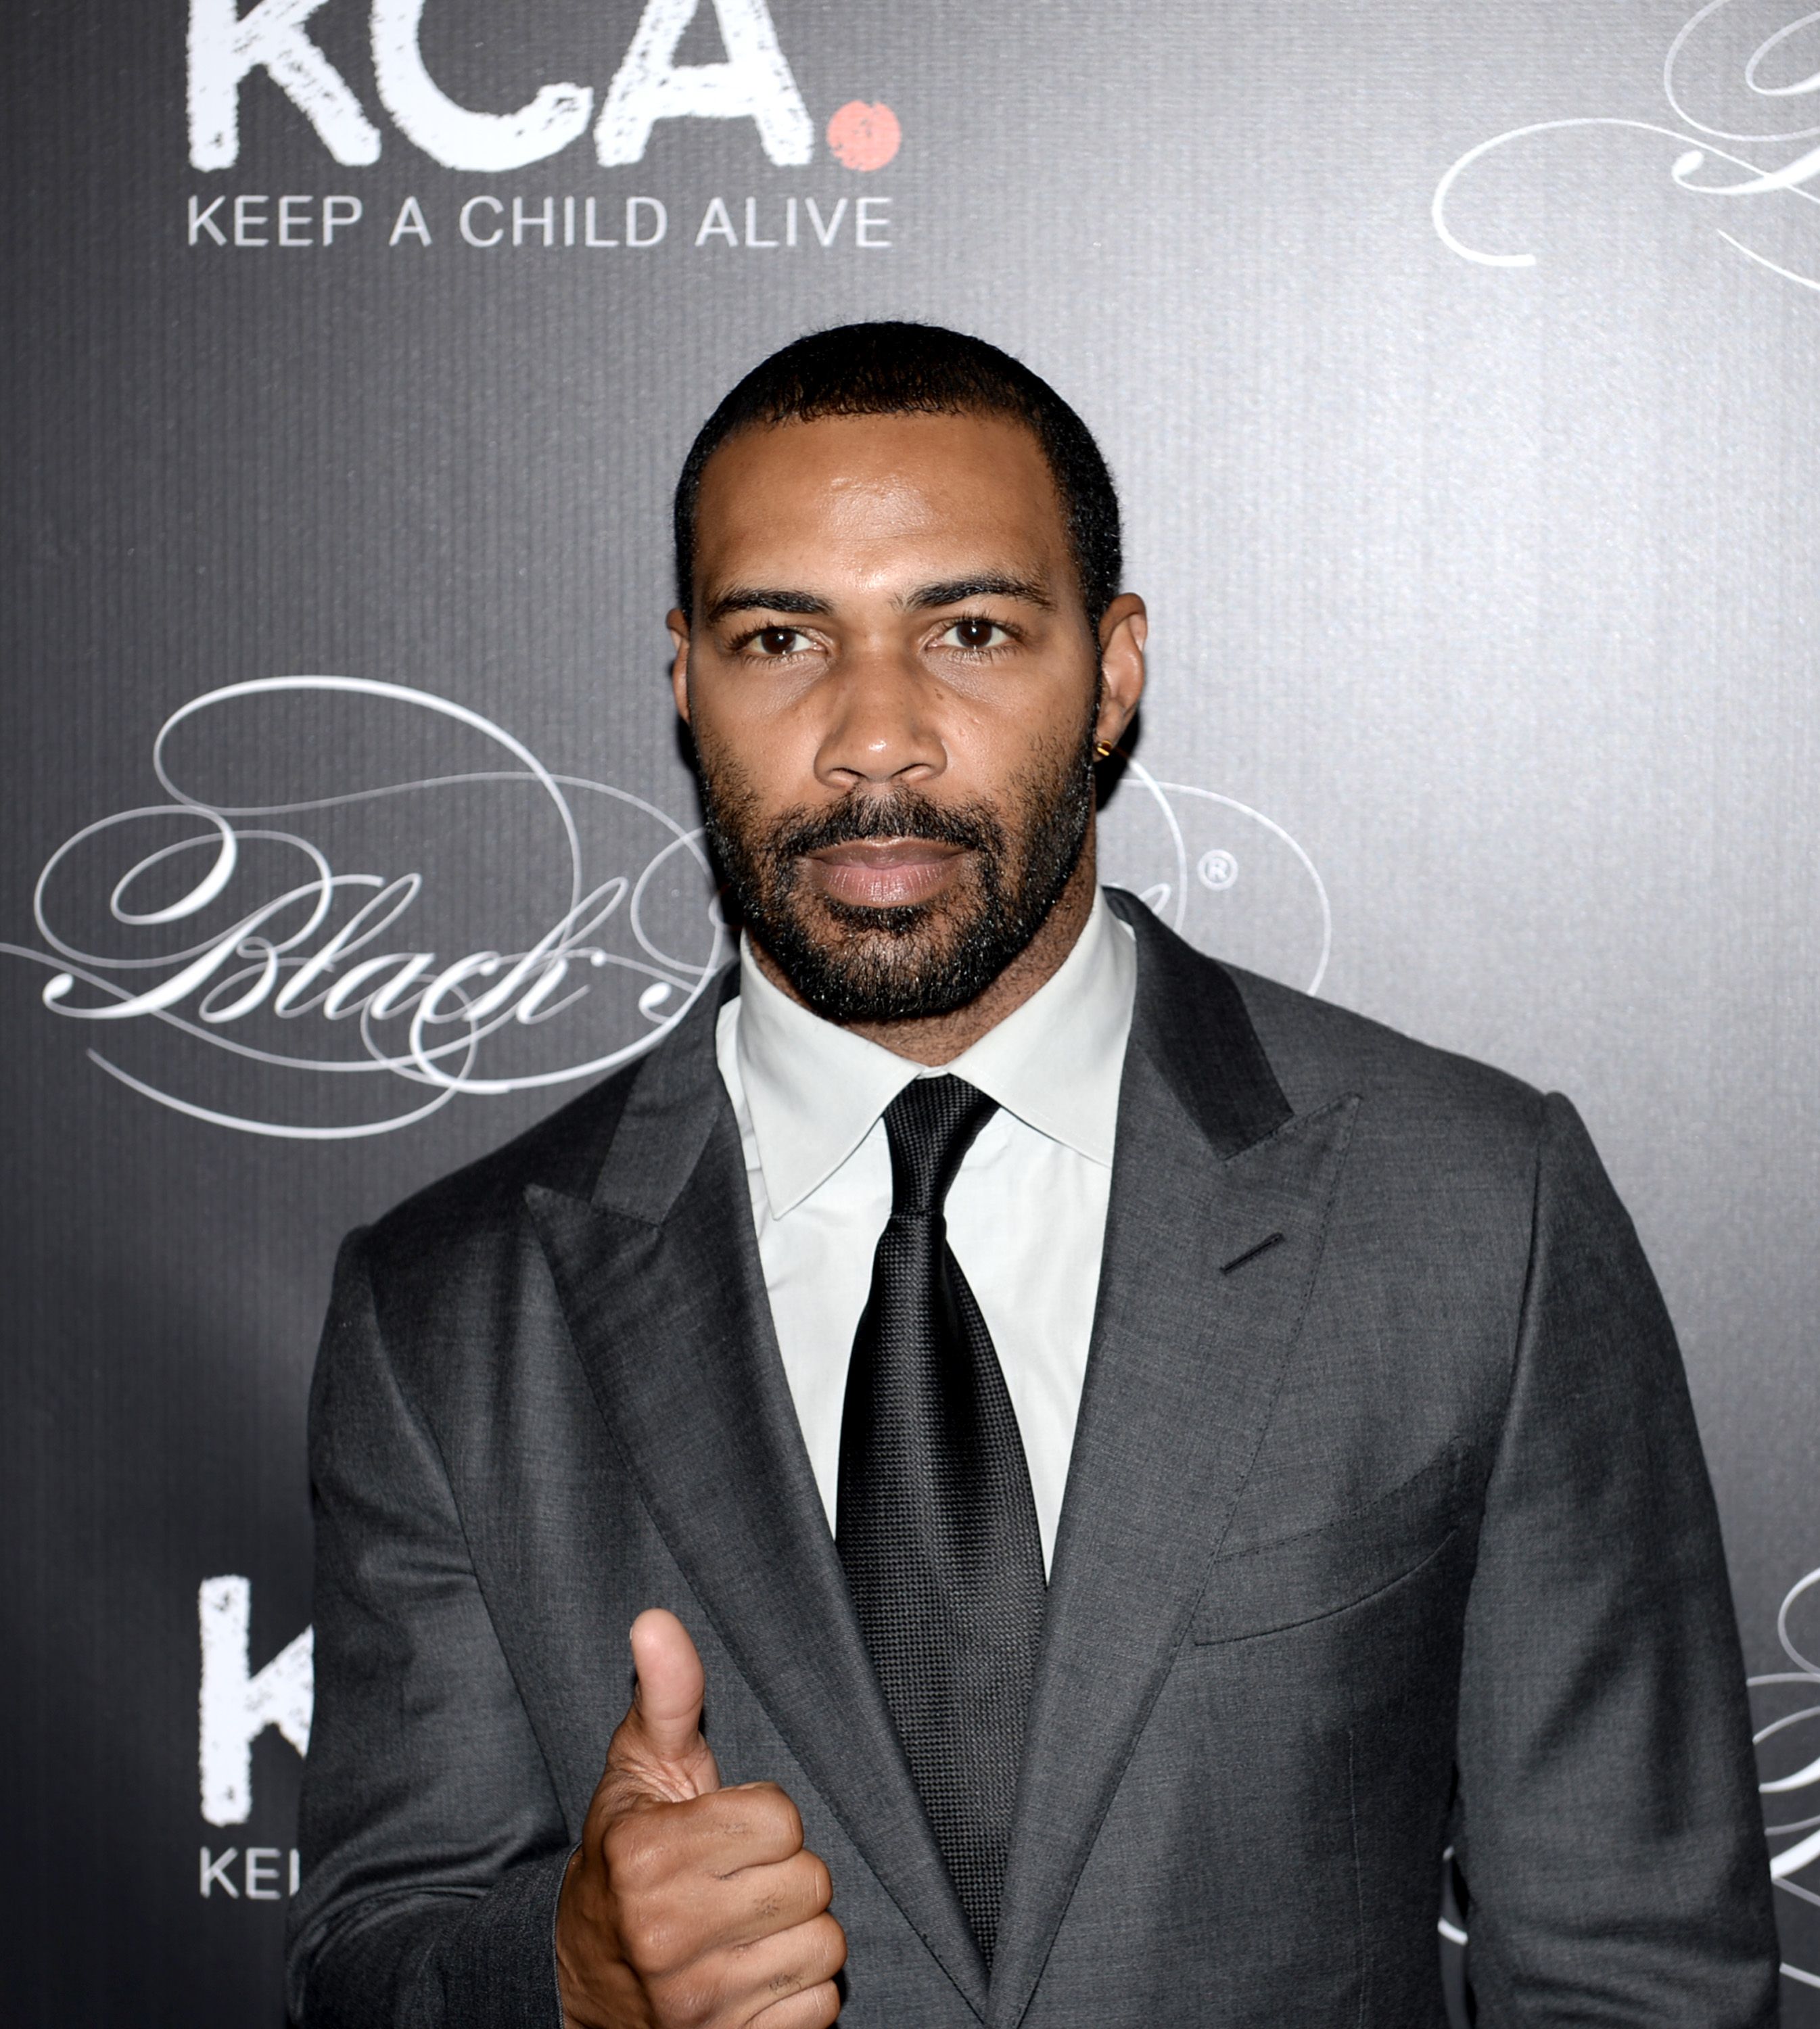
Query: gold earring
point(1101, 750)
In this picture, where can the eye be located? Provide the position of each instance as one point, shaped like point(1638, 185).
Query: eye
point(974, 634)
point(776, 641)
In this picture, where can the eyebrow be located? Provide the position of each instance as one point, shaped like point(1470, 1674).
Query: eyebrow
point(992, 584)
point(950, 591)
point(769, 599)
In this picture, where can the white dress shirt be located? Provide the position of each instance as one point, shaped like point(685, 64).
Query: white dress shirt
point(1026, 1215)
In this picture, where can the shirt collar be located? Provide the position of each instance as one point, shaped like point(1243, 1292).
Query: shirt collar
point(813, 1090)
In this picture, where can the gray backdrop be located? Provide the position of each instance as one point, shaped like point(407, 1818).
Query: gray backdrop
point(1483, 599)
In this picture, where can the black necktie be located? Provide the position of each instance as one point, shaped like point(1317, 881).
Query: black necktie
point(937, 1527)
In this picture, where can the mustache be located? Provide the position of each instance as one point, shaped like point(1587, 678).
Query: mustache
point(901, 813)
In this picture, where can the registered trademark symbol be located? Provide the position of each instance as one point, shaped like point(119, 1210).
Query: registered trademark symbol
point(1217, 870)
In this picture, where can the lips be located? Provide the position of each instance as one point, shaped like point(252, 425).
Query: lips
point(884, 873)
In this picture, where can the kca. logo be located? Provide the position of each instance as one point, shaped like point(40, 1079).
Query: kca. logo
point(754, 83)
point(236, 1705)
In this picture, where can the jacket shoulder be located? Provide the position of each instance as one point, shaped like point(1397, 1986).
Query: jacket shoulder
point(1292, 1054)
point(480, 1206)
point(1319, 1050)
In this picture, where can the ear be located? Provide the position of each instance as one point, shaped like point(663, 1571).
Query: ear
point(1123, 628)
point(678, 623)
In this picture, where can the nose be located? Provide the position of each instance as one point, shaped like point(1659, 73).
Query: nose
point(884, 724)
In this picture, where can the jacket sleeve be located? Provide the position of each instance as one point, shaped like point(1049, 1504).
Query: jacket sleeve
point(433, 1844)
point(1609, 1827)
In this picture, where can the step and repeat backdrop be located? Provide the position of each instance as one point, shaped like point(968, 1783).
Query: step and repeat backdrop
point(1458, 362)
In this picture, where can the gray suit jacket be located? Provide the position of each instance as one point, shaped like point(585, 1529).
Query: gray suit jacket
point(1387, 1526)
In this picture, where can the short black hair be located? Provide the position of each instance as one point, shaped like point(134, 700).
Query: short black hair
point(892, 369)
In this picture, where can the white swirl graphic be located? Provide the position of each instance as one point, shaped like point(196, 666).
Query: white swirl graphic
point(1695, 137)
point(398, 990)
point(302, 943)
point(1222, 874)
point(1800, 1688)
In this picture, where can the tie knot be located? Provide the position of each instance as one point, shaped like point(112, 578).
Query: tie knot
point(931, 1125)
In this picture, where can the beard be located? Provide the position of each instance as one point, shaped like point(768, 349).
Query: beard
point(852, 963)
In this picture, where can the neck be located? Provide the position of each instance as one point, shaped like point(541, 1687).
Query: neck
point(939, 1038)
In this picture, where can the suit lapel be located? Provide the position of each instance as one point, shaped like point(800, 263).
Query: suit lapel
point(1218, 1216)
point(660, 1279)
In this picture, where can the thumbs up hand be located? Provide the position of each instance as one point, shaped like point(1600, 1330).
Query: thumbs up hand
point(687, 1906)
point(658, 1755)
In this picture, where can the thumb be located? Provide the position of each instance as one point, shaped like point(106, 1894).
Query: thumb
point(661, 1741)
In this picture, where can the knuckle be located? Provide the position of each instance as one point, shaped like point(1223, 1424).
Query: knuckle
point(653, 1942)
point(632, 1848)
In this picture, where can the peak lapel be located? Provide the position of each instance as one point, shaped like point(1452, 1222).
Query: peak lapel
point(1212, 1173)
point(660, 1279)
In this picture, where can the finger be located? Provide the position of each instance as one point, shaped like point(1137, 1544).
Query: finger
point(712, 1842)
point(762, 1901)
point(671, 1684)
point(787, 1967)
point(815, 2008)
point(657, 1754)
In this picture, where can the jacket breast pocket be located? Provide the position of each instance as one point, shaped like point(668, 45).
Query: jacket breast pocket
point(1322, 1571)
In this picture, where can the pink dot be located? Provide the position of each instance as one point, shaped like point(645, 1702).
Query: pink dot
point(863, 137)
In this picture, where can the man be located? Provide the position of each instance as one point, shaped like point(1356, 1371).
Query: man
point(1139, 1462)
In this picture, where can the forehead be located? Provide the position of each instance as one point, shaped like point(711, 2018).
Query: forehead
point(868, 495)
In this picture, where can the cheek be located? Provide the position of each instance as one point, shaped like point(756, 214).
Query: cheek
point(1009, 734)
point(1026, 748)
point(761, 771)
point(766, 738)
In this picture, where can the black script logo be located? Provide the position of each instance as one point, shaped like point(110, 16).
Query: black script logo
point(1767, 61)
point(286, 946)
point(241, 924)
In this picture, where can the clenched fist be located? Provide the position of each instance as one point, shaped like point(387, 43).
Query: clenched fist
point(688, 1906)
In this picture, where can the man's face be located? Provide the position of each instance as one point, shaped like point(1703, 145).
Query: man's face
point(895, 692)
